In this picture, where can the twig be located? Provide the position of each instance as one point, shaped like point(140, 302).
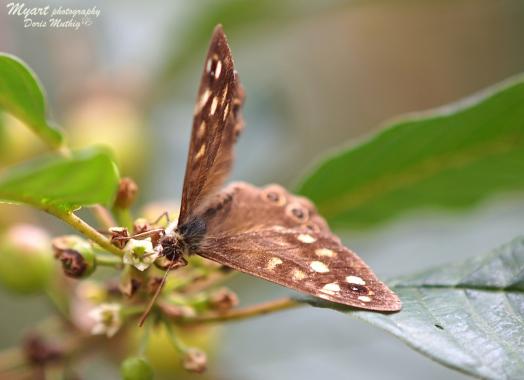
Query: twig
point(109, 261)
point(11, 359)
point(212, 280)
point(123, 217)
point(236, 314)
point(84, 228)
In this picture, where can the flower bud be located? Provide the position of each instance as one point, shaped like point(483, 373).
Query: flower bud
point(194, 360)
point(129, 282)
point(38, 351)
point(26, 259)
point(140, 226)
point(119, 236)
point(76, 255)
point(136, 368)
point(126, 195)
point(223, 300)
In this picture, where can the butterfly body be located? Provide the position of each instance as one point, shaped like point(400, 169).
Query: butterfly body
point(266, 232)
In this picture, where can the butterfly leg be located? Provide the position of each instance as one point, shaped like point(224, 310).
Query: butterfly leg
point(165, 214)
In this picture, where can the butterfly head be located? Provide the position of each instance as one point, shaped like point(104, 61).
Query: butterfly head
point(173, 247)
point(183, 240)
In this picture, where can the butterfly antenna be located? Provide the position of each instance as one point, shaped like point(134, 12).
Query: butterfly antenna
point(155, 296)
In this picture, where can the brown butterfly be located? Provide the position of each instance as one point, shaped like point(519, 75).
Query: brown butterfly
point(267, 232)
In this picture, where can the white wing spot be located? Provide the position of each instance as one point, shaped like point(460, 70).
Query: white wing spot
point(213, 106)
point(208, 66)
point(319, 267)
point(201, 130)
point(202, 101)
point(201, 151)
point(273, 262)
point(218, 69)
point(331, 288)
point(355, 280)
point(298, 275)
point(226, 110)
point(364, 298)
point(224, 95)
point(324, 252)
point(305, 238)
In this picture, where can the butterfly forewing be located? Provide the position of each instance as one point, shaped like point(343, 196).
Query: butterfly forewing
point(216, 124)
point(268, 232)
point(279, 237)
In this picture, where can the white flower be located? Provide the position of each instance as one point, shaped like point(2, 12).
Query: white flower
point(107, 319)
point(140, 253)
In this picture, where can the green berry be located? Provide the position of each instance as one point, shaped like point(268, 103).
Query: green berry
point(136, 368)
point(76, 255)
point(26, 259)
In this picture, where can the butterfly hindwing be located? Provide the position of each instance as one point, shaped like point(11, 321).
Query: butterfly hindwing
point(216, 124)
point(279, 237)
point(268, 232)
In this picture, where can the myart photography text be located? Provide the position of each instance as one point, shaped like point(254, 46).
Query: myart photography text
point(53, 17)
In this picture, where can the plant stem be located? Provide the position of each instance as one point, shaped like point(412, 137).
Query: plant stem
point(214, 279)
point(11, 359)
point(144, 340)
point(175, 340)
point(84, 228)
point(123, 217)
point(239, 314)
point(132, 310)
point(109, 261)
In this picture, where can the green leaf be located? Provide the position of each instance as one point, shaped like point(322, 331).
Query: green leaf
point(468, 316)
point(86, 178)
point(449, 158)
point(21, 95)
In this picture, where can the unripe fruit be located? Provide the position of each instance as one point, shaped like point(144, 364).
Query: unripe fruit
point(26, 259)
point(164, 358)
point(136, 368)
point(76, 255)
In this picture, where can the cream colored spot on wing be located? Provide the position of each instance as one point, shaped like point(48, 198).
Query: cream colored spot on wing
point(324, 252)
point(298, 275)
point(201, 130)
point(305, 238)
point(319, 267)
point(213, 106)
point(355, 280)
point(224, 95)
point(226, 110)
point(218, 69)
point(273, 262)
point(202, 101)
point(364, 298)
point(371, 292)
point(331, 288)
point(201, 151)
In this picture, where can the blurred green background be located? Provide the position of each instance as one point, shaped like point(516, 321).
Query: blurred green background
point(317, 74)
